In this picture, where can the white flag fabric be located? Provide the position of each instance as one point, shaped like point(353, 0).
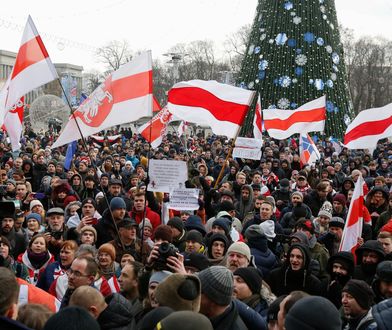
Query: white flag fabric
point(368, 127)
point(33, 68)
point(220, 106)
point(310, 117)
point(354, 222)
point(124, 97)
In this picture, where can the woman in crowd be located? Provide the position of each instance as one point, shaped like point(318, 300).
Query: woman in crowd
point(36, 258)
point(19, 269)
point(34, 227)
point(107, 261)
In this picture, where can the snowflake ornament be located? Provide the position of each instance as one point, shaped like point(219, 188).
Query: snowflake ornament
point(285, 81)
point(283, 103)
point(297, 20)
point(301, 59)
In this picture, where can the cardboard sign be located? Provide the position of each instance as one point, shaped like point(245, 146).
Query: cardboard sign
point(166, 175)
point(247, 148)
point(184, 199)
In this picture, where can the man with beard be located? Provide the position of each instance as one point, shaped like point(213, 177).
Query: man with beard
point(382, 284)
point(245, 204)
point(238, 255)
point(316, 198)
point(340, 269)
point(295, 273)
point(17, 240)
point(369, 255)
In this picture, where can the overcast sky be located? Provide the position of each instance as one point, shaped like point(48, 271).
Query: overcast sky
point(154, 24)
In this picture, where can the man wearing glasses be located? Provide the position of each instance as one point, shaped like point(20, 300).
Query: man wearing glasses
point(82, 272)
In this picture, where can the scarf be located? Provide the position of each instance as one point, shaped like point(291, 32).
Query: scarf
point(37, 259)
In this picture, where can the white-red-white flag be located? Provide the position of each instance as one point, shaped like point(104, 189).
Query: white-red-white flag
point(182, 128)
point(124, 97)
point(220, 106)
point(257, 121)
point(368, 127)
point(310, 117)
point(33, 68)
point(354, 222)
point(155, 129)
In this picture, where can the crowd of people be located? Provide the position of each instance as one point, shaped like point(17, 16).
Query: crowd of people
point(90, 247)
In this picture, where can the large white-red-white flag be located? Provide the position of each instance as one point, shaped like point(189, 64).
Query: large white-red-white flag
point(368, 127)
point(220, 106)
point(124, 97)
point(354, 222)
point(310, 117)
point(33, 68)
point(257, 121)
point(155, 129)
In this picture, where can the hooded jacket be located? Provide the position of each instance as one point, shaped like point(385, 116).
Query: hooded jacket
point(264, 258)
point(117, 315)
point(366, 272)
point(284, 280)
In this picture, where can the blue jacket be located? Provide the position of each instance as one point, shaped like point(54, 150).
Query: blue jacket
point(251, 318)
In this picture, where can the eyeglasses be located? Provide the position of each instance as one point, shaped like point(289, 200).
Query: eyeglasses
point(75, 273)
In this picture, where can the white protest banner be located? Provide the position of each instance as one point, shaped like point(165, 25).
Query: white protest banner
point(166, 174)
point(247, 148)
point(243, 142)
point(184, 199)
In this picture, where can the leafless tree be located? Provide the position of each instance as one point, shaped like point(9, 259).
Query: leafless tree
point(114, 54)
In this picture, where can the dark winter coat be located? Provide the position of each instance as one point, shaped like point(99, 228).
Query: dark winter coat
point(229, 320)
point(39, 171)
point(251, 317)
point(117, 315)
point(264, 258)
point(284, 280)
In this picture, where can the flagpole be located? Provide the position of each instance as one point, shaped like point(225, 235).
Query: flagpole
point(145, 195)
point(251, 99)
point(92, 162)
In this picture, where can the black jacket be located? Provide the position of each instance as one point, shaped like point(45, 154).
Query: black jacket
point(229, 320)
point(118, 313)
point(284, 280)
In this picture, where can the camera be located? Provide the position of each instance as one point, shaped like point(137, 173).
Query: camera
point(56, 235)
point(165, 251)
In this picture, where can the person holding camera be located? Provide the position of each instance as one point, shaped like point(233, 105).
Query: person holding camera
point(56, 231)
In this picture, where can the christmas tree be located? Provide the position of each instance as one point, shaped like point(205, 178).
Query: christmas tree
point(294, 55)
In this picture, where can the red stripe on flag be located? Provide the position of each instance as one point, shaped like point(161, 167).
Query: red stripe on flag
point(31, 52)
point(258, 118)
point(156, 107)
point(367, 129)
point(356, 211)
point(131, 87)
point(198, 97)
point(313, 115)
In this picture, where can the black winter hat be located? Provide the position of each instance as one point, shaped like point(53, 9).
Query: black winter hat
point(196, 260)
point(194, 235)
point(384, 271)
point(193, 321)
point(299, 316)
point(371, 245)
point(251, 276)
point(81, 319)
point(91, 201)
point(151, 319)
point(361, 292)
point(299, 211)
point(177, 223)
point(223, 223)
point(346, 259)
point(194, 222)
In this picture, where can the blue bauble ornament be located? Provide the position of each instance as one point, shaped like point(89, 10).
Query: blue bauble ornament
point(320, 41)
point(291, 43)
point(309, 37)
point(299, 71)
point(288, 5)
point(263, 65)
point(261, 75)
point(257, 49)
point(330, 106)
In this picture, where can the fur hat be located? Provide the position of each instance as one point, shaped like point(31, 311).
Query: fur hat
point(109, 249)
point(91, 229)
point(180, 292)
